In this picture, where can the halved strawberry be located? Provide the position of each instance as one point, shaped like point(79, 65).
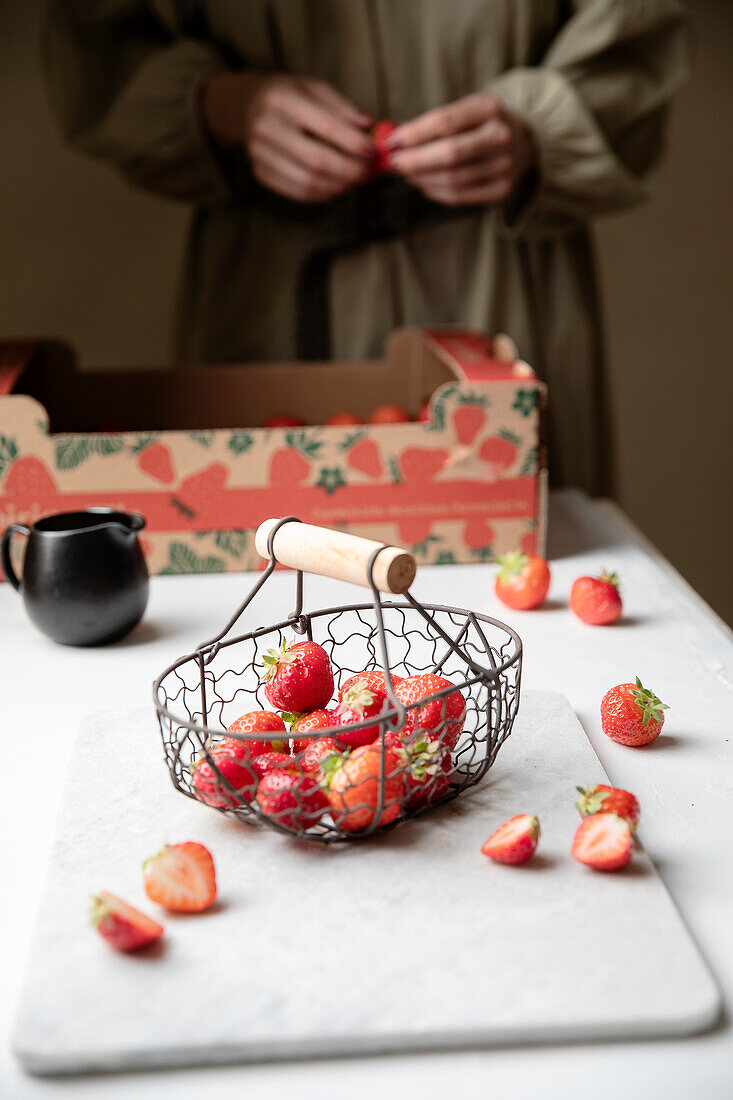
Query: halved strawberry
point(181, 877)
point(603, 842)
point(124, 928)
point(514, 841)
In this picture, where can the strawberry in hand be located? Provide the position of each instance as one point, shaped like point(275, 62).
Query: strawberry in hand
point(602, 799)
point(523, 581)
point(632, 715)
point(298, 677)
point(379, 134)
point(596, 600)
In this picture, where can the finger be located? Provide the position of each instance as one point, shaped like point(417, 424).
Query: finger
point(470, 175)
point(449, 152)
point(442, 122)
point(273, 170)
point(482, 195)
point(309, 115)
point(315, 156)
point(329, 97)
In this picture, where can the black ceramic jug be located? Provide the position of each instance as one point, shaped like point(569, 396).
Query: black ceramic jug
point(85, 581)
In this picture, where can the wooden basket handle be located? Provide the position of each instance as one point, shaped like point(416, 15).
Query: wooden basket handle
point(335, 554)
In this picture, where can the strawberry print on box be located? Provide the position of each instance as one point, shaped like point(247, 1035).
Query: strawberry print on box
point(464, 485)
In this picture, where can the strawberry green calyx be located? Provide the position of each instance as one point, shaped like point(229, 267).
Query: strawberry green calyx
point(98, 911)
point(330, 765)
point(358, 698)
point(511, 564)
point(290, 717)
point(650, 706)
point(590, 801)
point(610, 578)
point(275, 657)
point(422, 758)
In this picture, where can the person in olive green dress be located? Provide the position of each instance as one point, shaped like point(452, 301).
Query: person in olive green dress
point(518, 123)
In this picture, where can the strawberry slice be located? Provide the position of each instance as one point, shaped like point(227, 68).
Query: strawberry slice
point(514, 841)
point(181, 877)
point(603, 842)
point(124, 928)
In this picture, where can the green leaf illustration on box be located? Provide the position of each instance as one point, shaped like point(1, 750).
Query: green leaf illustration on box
point(483, 553)
point(445, 557)
point(420, 549)
point(71, 451)
point(144, 440)
point(395, 476)
point(231, 542)
point(106, 444)
point(204, 439)
point(529, 466)
point(330, 479)
point(474, 398)
point(307, 442)
point(351, 439)
point(525, 401)
point(437, 421)
point(8, 452)
point(239, 442)
point(182, 559)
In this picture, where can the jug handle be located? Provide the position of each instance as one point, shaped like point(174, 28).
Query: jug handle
point(14, 529)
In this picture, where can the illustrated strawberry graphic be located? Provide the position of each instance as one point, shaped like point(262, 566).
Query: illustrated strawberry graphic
point(414, 529)
point(124, 928)
point(288, 467)
point(238, 781)
point(358, 703)
point(266, 762)
point(478, 532)
point(374, 678)
point(316, 752)
point(293, 799)
point(468, 420)
point(632, 715)
point(307, 723)
point(298, 677)
point(515, 841)
point(428, 767)
point(200, 491)
point(603, 842)
point(602, 799)
point(596, 600)
point(259, 721)
point(379, 134)
point(157, 462)
point(364, 456)
point(528, 543)
point(356, 782)
point(30, 481)
point(443, 718)
point(500, 451)
point(181, 877)
point(422, 463)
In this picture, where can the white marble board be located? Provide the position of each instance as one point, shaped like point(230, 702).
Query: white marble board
point(410, 941)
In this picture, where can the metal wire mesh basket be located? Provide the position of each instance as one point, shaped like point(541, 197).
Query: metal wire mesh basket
point(423, 752)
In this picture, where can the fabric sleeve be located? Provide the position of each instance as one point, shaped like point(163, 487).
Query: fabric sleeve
point(597, 106)
point(126, 88)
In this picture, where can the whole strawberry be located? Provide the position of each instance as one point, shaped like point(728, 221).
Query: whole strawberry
point(309, 723)
point(602, 799)
point(359, 782)
point(443, 718)
point(259, 721)
point(379, 133)
point(124, 928)
point(298, 677)
point(359, 703)
point(316, 752)
point(632, 715)
point(268, 761)
point(238, 781)
point(596, 600)
point(428, 768)
point(603, 842)
point(293, 799)
point(523, 581)
point(373, 678)
point(515, 841)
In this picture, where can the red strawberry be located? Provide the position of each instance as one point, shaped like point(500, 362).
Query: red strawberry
point(266, 762)
point(357, 704)
point(596, 600)
point(181, 877)
point(298, 677)
point(632, 715)
point(602, 799)
point(316, 752)
point(285, 421)
point(288, 467)
point(604, 842)
point(29, 481)
point(293, 799)
point(468, 420)
point(124, 928)
point(428, 767)
point(307, 723)
point(259, 721)
point(382, 152)
point(374, 678)
point(157, 461)
point(355, 782)
point(422, 463)
point(443, 718)
point(364, 456)
point(342, 419)
point(514, 841)
point(389, 414)
point(426, 413)
point(500, 451)
point(522, 582)
point(234, 767)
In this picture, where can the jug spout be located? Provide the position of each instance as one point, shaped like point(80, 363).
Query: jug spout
point(131, 521)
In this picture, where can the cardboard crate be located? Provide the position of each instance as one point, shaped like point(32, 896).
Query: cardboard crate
point(181, 448)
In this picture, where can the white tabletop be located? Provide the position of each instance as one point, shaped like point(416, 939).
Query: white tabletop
point(684, 782)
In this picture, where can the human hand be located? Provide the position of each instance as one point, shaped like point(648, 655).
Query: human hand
point(470, 152)
point(303, 138)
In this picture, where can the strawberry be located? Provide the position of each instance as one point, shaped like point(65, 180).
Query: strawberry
point(29, 481)
point(603, 842)
point(288, 467)
point(499, 451)
point(373, 678)
point(342, 419)
point(358, 703)
point(443, 718)
point(285, 421)
point(291, 798)
point(428, 767)
point(266, 762)
point(514, 841)
point(307, 723)
point(389, 414)
point(355, 782)
point(316, 752)
point(157, 461)
point(422, 463)
point(596, 600)
point(235, 768)
point(382, 152)
point(124, 928)
point(602, 799)
point(468, 421)
point(364, 456)
point(259, 721)
point(426, 413)
point(632, 715)
point(298, 677)
point(181, 877)
point(522, 581)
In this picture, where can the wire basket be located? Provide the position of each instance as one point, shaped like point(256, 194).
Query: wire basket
point(202, 693)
